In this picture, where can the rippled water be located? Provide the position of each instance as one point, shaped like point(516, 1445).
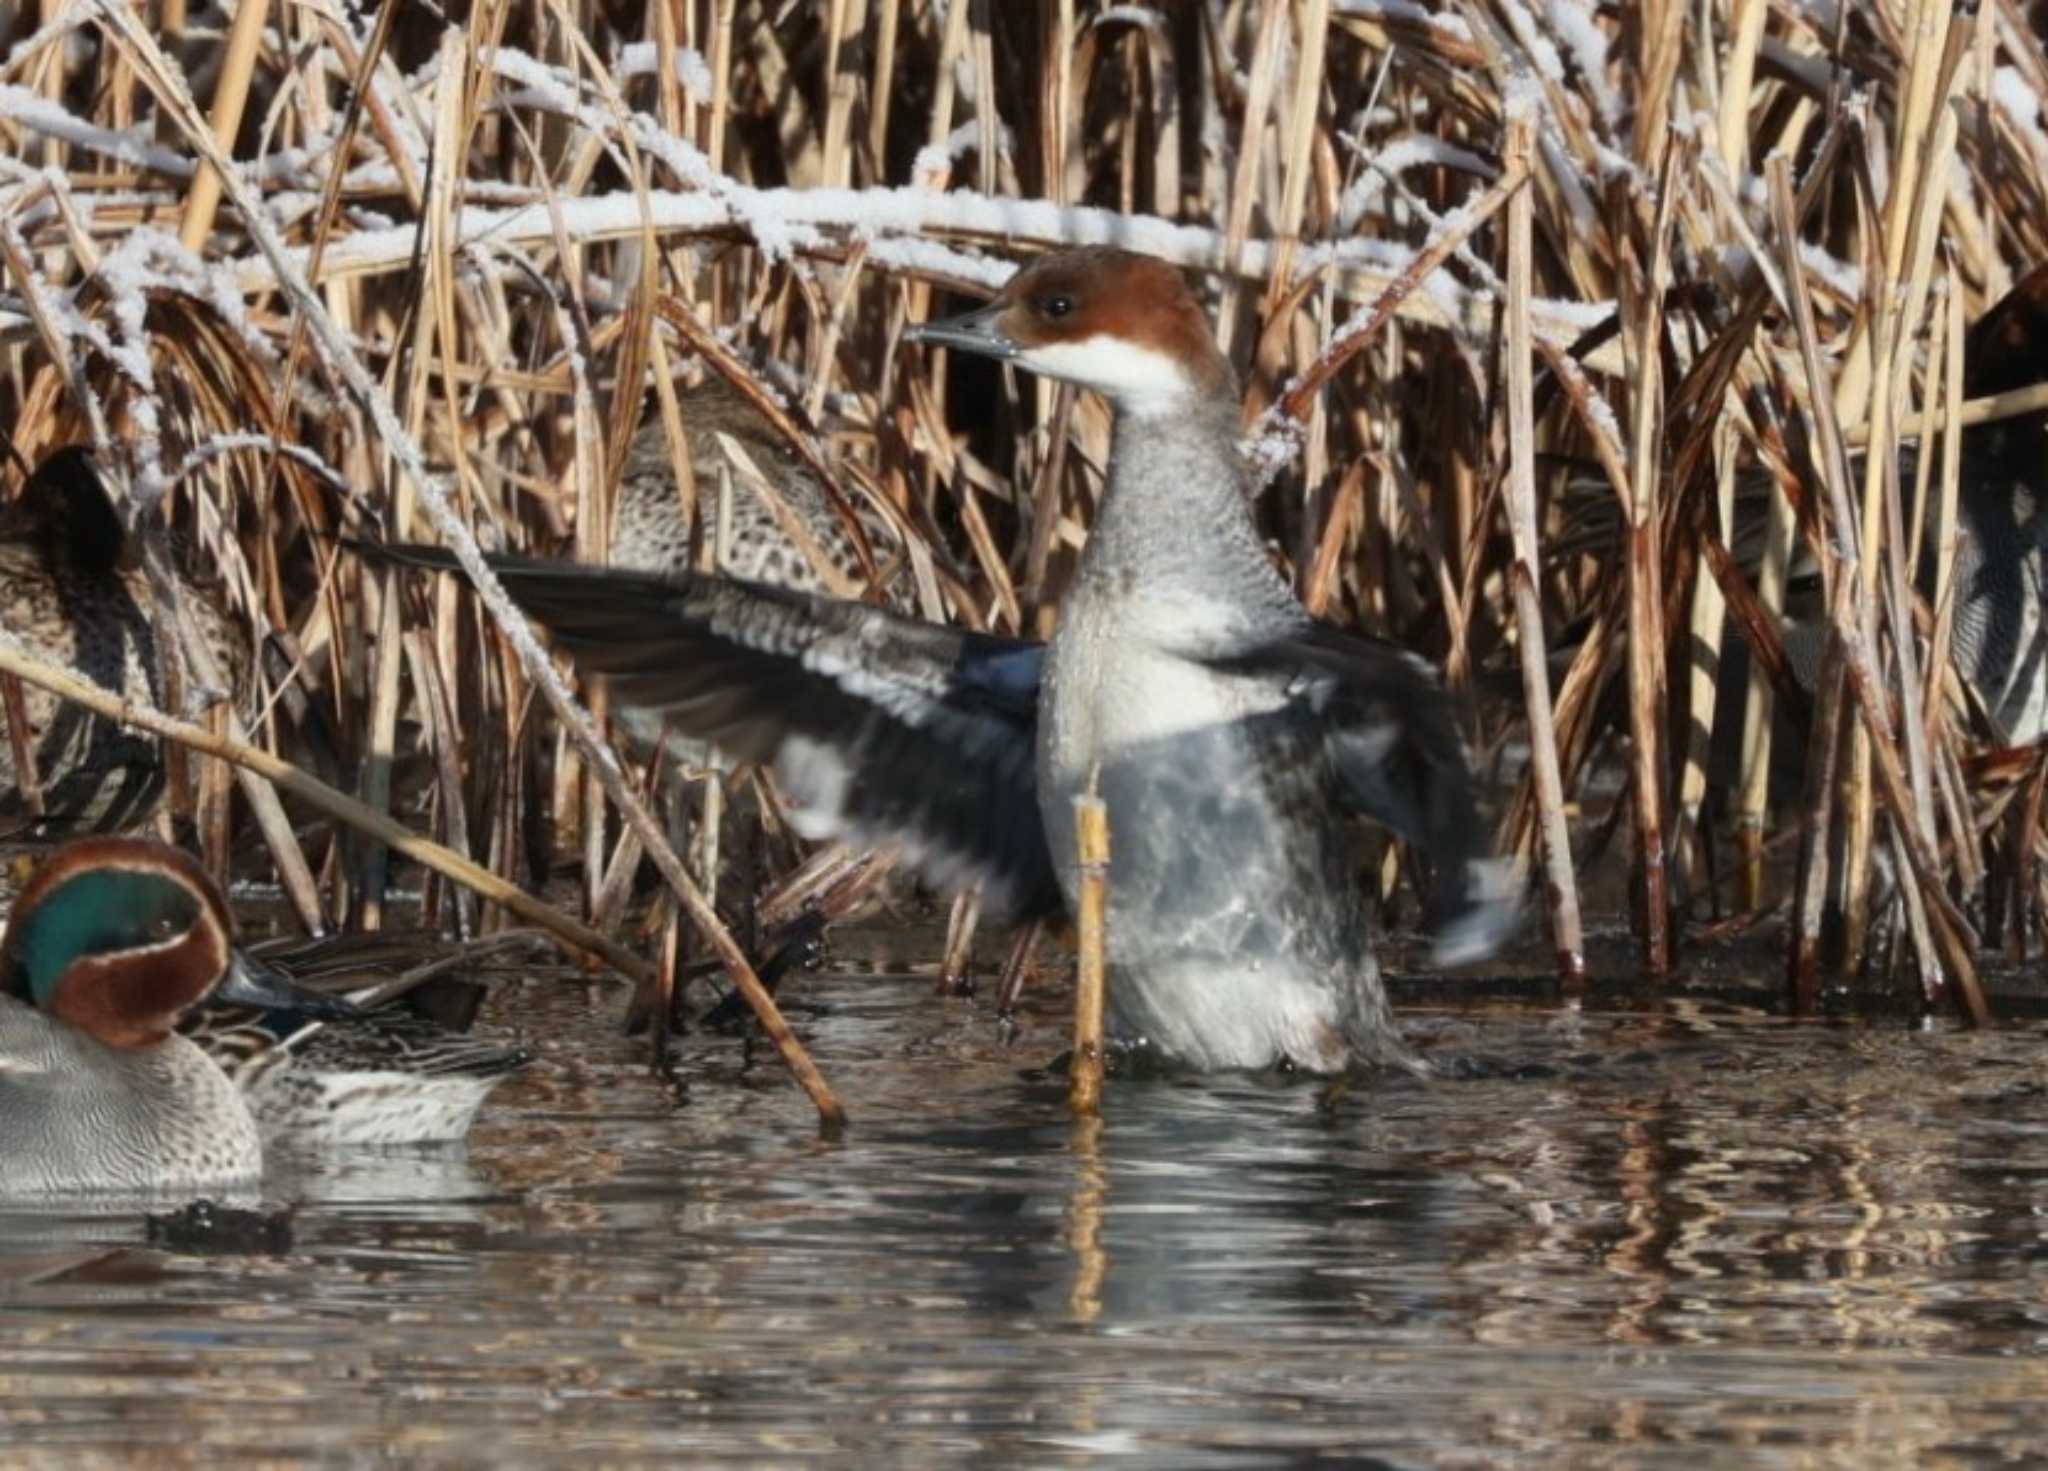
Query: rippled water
point(1676, 1237)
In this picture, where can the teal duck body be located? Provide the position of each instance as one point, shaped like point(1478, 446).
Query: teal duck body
point(381, 1075)
point(1235, 738)
point(71, 594)
point(110, 944)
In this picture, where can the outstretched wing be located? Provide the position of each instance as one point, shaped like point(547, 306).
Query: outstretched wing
point(1393, 739)
point(881, 728)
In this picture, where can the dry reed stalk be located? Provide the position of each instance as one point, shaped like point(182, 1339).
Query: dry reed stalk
point(1703, 667)
point(1939, 931)
point(1942, 927)
point(1810, 884)
point(1709, 615)
point(963, 917)
point(719, 104)
point(1091, 843)
point(436, 319)
point(843, 28)
point(1560, 888)
point(1016, 970)
point(446, 746)
point(1951, 493)
point(14, 714)
point(831, 881)
point(882, 84)
point(1298, 150)
point(1917, 200)
point(2026, 822)
point(231, 93)
point(1642, 311)
point(1056, 114)
point(1987, 410)
point(1251, 149)
point(1355, 338)
point(1738, 81)
point(1046, 504)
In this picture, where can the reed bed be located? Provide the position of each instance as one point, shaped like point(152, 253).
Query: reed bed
point(1493, 274)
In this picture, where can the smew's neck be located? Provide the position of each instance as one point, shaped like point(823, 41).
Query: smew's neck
point(1174, 532)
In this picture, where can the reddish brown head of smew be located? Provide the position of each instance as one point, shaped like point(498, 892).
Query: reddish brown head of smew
point(1125, 325)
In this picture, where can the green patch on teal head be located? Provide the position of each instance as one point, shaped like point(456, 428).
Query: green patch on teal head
point(98, 911)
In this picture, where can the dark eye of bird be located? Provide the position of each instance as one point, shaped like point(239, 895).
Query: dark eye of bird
point(1056, 306)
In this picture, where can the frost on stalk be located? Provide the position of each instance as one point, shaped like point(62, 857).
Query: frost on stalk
point(1840, 276)
point(1574, 23)
point(935, 160)
point(1410, 12)
point(1537, 46)
point(39, 114)
point(1273, 444)
point(691, 69)
point(1387, 162)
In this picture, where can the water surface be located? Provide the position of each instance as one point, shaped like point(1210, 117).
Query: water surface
point(1686, 1235)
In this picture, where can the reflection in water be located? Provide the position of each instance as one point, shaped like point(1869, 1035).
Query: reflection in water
point(1641, 1239)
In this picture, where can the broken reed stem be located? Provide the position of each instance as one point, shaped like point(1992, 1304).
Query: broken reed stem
point(1560, 888)
point(1754, 798)
point(1643, 333)
point(1709, 620)
point(316, 793)
point(961, 922)
point(1091, 842)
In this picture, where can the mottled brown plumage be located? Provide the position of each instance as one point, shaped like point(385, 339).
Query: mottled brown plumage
point(71, 594)
point(650, 534)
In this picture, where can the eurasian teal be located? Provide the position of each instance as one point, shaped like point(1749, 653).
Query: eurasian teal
point(762, 541)
point(1999, 641)
point(1232, 736)
point(382, 1075)
point(800, 542)
point(2000, 638)
point(776, 524)
point(71, 594)
point(111, 944)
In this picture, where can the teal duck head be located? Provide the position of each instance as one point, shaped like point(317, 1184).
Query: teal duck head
point(111, 943)
point(121, 937)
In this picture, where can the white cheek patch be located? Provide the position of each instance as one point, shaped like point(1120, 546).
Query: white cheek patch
point(1138, 378)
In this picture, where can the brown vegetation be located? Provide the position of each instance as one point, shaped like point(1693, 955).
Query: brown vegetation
point(1671, 242)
